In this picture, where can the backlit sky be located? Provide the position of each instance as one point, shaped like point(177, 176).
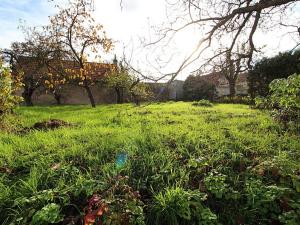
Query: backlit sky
point(125, 25)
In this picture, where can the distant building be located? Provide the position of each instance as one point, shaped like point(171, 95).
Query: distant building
point(222, 85)
point(166, 92)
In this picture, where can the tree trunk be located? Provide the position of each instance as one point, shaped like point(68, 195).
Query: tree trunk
point(119, 97)
point(231, 88)
point(122, 95)
point(57, 98)
point(27, 95)
point(136, 99)
point(90, 95)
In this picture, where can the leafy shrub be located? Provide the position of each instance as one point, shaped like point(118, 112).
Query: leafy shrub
point(204, 103)
point(262, 201)
point(284, 99)
point(261, 103)
point(215, 183)
point(8, 99)
point(177, 206)
point(124, 83)
point(140, 92)
point(8, 86)
point(119, 204)
point(291, 217)
point(268, 69)
point(48, 214)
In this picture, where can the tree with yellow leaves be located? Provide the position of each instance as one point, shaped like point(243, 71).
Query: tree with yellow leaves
point(75, 29)
point(9, 84)
point(34, 57)
point(54, 83)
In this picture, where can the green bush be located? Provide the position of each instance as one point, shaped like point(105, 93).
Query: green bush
point(283, 100)
point(268, 69)
point(8, 86)
point(47, 215)
point(203, 102)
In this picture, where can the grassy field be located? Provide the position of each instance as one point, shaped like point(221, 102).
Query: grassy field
point(166, 163)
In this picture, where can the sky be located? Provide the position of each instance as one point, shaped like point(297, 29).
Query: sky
point(126, 25)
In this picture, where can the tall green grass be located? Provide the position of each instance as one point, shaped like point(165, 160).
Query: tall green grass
point(244, 164)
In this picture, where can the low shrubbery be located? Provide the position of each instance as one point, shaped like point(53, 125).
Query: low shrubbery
point(203, 102)
point(268, 69)
point(8, 87)
point(8, 98)
point(283, 100)
point(235, 100)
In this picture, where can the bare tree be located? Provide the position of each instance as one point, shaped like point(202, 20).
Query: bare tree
point(231, 68)
point(226, 23)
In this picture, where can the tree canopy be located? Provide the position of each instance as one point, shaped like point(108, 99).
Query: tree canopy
point(268, 69)
point(76, 30)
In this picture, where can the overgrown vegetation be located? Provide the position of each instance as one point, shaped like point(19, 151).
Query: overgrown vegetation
point(284, 100)
point(8, 87)
point(165, 163)
point(203, 102)
point(8, 97)
point(269, 69)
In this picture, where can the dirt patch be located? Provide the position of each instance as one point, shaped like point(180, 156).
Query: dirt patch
point(50, 124)
point(5, 170)
point(46, 125)
point(146, 112)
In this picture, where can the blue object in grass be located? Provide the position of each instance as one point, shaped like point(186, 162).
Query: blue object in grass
point(121, 160)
